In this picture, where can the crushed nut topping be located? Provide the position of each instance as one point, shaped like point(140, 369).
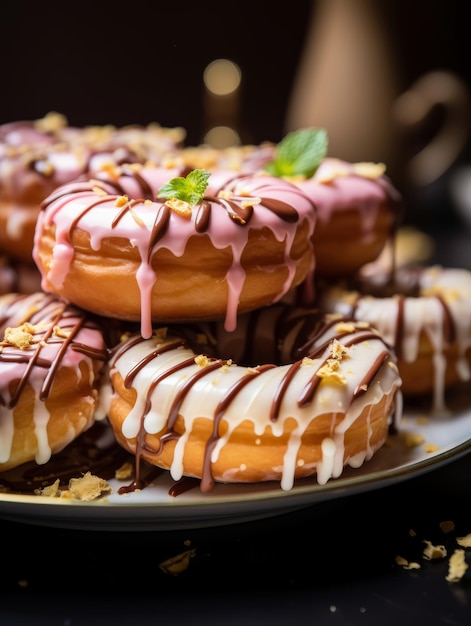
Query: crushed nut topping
point(21, 336)
point(51, 122)
point(121, 201)
point(337, 350)
point(345, 327)
point(226, 366)
point(369, 170)
point(245, 204)
point(329, 372)
point(202, 360)
point(179, 206)
point(61, 332)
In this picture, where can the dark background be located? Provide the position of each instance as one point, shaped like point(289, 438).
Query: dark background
point(99, 63)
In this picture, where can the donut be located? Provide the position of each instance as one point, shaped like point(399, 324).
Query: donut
point(358, 208)
point(37, 156)
point(357, 214)
point(52, 358)
point(424, 314)
point(328, 399)
point(110, 245)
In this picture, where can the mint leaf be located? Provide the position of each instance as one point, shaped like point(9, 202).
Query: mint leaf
point(300, 153)
point(189, 189)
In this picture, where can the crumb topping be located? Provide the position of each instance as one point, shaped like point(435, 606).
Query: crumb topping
point(21, 337)
point(202, 360)
point(369, 169)
point(180, 207)
point(121, 201)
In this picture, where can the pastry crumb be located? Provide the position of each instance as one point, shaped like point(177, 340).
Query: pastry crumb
point(432, 551)
point(88, 487)
point(447, 526)
point(464, 542)
point(413, 440)
point(125, 471)
point(400, 560)
point(457, 566)
point(177, 564)
point(50, 491)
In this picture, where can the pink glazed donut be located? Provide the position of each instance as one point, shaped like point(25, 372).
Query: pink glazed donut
point(357, 213)
point(109, 245)
point(36, 156)
point(52, 357)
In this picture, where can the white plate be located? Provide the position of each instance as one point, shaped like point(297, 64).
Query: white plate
point(153, 508)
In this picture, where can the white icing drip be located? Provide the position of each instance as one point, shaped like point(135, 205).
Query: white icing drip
point(326, 466)
point(289, 460)
point(41, 420)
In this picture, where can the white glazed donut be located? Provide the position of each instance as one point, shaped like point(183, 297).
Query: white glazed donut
point(425, 315)
point(326, 400)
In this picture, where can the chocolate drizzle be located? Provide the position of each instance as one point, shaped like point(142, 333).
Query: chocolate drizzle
point(238, 208)
point(55, 325)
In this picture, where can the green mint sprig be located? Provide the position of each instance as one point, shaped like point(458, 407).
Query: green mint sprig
point(299, 153)
point(189, 189)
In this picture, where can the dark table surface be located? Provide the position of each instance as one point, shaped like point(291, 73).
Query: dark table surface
point(329, 563)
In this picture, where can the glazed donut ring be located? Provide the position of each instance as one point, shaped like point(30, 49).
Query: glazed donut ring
point(109, 246)
point(39, 155)
point(357, 212)
point(52, 356)
point(198, 415)
point(425, 316)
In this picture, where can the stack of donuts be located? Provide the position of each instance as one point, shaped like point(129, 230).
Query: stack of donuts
point(36, 156)
point(202, 274)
